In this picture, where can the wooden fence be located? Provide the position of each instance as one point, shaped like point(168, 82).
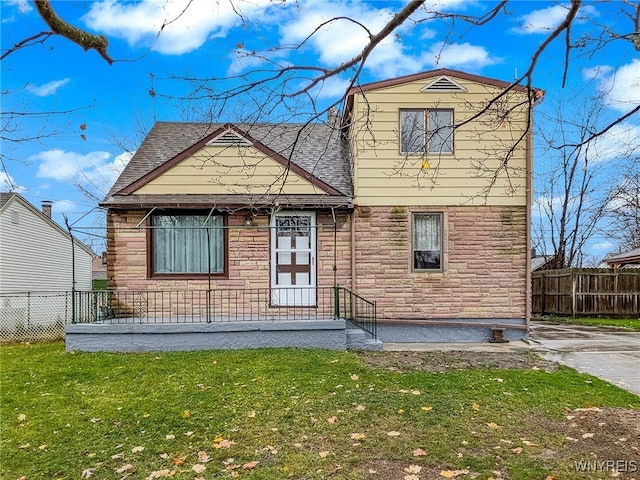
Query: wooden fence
point(587, 292)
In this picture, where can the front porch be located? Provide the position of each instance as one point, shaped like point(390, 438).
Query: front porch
point(133, 321)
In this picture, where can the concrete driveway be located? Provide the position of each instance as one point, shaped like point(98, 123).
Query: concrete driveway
point(612, 354)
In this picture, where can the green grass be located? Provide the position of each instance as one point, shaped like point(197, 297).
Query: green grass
point(631, 324)
point(292, 411)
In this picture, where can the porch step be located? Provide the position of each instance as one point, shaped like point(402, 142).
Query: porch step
point(358, 339)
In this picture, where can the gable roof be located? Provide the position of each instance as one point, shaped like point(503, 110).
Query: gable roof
point(317, 152)
point(8, 198)
point(437, 75)
point(631, 257)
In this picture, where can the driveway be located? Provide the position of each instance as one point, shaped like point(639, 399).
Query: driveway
point(612, 354)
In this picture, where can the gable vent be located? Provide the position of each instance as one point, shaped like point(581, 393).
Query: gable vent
point(443, 84)
point(229, 137)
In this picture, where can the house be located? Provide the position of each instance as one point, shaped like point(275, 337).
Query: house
point(38, 264)
point(629, 259)
point(416, 197)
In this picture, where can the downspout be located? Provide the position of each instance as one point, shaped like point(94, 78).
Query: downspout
point(336, 293)
point(529, 202)
point(353, 252)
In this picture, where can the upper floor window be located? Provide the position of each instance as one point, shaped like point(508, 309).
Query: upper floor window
point(188, 244)
point(426, 130)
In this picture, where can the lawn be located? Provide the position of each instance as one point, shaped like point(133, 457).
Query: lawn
point(628, 323)
point(305, 414)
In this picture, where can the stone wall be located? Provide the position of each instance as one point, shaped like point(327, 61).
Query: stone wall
point(248, 252)
point(484, 264)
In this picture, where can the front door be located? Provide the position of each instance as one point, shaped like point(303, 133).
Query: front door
point(293, 259)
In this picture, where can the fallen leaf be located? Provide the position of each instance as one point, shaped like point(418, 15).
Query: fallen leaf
point(475, 406)
point(411, 477)
point(222, 443)
point(22, 417)
point(137, 449)
point(170, 437)
point(25, 445)
point(87, 472)
point(426, 408)
point(178, 461)
point(333, 419)
point(323, 454)
point(188, 434)
point(199, 468)
point(203, 457)
point(393, 433)
point(251, 414)
point(250, 465)
point(160, 474)
point(124, 468)
point(413, 469)
point(453, 473)
point(354, 377)
point(499, 380)
point(360, 408)
point(587, 435)
point(418, 452)
point(235, 474)
point(186, 414)
point(516, 450)
point(415, 392)
point(492, 425)
point(357, 436)
point(530, 444)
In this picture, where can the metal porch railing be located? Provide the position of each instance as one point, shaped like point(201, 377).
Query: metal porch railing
point(223, 305)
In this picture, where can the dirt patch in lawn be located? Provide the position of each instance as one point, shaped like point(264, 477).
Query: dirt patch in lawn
point(589, 443)
point(603, 442)
point(455, 360)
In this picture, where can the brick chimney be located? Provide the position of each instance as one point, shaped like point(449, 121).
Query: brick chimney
point(46, 207)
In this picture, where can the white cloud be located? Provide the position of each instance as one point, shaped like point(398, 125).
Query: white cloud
point(621, 87)
point(8, 184)
point(460, 54)
point(622, 141)
point(66, 166)
point(182, 27)
point(542, 21)
point(596, 73)
point(49, 88)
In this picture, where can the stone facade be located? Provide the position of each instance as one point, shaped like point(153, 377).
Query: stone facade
point(248, 257)
point(484, 265)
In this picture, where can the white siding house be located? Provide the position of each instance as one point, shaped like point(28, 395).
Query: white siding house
point(36, 265)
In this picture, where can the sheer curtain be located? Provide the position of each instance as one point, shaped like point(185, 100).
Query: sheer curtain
point(180, 244)
point(427, 241)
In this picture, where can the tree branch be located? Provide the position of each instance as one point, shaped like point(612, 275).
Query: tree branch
point(58, 26)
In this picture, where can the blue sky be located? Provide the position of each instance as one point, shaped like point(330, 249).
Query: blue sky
point(106, 106)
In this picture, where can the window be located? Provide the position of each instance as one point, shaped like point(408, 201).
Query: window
point(426, 130)
point(427, 241)
point(180, 241)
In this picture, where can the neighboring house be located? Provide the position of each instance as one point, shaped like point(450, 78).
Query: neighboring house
point(630, 259)
point(36, 257)
point(388, 200)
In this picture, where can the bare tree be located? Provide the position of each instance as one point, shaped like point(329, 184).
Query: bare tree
point(573, 206)
point(624, 210)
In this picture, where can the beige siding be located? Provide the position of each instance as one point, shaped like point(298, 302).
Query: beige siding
point(385, 176)
point(229, 170)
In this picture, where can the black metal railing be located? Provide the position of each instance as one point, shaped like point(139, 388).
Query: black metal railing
point(224, 305)
point(357, 310)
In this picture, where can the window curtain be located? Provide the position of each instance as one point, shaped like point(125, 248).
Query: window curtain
point(427, 241)
point(180, 244)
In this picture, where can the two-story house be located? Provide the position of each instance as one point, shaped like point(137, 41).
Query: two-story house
point(417, 196)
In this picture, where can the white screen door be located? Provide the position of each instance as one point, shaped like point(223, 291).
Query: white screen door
point(293, 259)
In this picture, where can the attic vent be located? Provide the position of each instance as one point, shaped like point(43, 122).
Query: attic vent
point(229, 137)
point(444, 84)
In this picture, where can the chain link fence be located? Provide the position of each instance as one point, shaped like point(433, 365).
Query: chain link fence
point(34, 316)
